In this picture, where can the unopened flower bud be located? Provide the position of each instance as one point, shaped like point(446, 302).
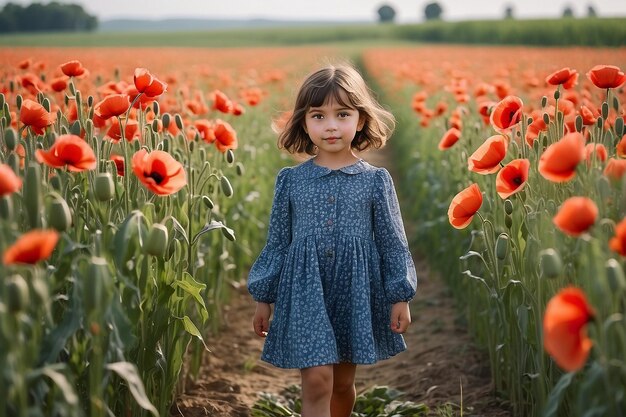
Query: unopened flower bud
point(579, 123)
point(550, 262)
point(2, 100)
point(59, 215)
point(18, 102)
point(240, 169)
point(90, 101)
point(544, 101)
point(155, 107)
point(557, 94)
point(226, 187)
point(55, 182)
point(605, 110)
point(157, 242)
point(619, 127)
point(17, 293)
point(13, 160)
point(228, 234)
point(46, 104)
point(502, 246)
point(508, 221)
point(508, 206)
point(208, 202)
point(229, 155)
point(104, 187)
point(179, 121)
point(75, 128)
point(615, 275)
point(33, 194)
point(546, 118)
point(166, 120)
point(96, 286)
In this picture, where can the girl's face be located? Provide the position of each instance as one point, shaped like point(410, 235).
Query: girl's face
point(333, 126)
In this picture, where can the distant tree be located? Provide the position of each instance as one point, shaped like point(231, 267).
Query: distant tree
point(591, 11)
point(433, 11)
point(508, 12)
point(568, 11)
point(49, 17)
point(386, 14)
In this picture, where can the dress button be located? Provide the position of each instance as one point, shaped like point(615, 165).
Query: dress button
point(331, 199)
point(329, 222)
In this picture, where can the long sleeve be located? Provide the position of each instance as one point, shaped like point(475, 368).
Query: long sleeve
point(265, 272)
point(397, 267)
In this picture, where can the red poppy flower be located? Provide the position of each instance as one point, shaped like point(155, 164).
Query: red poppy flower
point(559, 161)
point(205, 130)
point(225, 136)
point(221, 102)
point(506, 114)
point(565, 76)
point(615, 169)
point(464, 206)
point(618, 242)
point(58, 84)
point(131, 130)
point(564, 328)
point(156, 88)
point(484, 108)
point(113, 105)
point(9, 182)
point(238, 109)
point(486, 159)
point(31, 247)
point(588, 117)
point(119, 163)
point(73, 68)
point(25, 63)
point(68, 150)
point(576, 215)
point(159, 171)
point(32, 83)
point(537, 126)
point(449, 138)
point(512, 177)
point(142, 79)
point(595, 150)
point(35, 116)
point(620, 148)
point(606, 76)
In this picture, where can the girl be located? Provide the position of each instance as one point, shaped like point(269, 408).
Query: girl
point(336, 264)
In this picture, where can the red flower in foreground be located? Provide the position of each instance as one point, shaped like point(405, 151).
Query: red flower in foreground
point(225, 136)
point(449, 138)
point(506, 114)
point(564, 328)
point(512, 178)
point(576, 215)
point(68, 150)
point(73, 68)
point(31, 247)
point(618, 242)
point(113, 105)
point(565, 76)
point(606, 76)
point(147, 84)
point(464, 206)
point(159, 171)
point(486, 159)
point(559, 161)
point(9, 182)
point(35, 116)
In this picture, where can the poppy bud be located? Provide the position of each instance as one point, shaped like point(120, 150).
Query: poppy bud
point(226, 187)
point(208, 202)
point(155, 125)
point(96, 284)
point(55, 182)
point(89, 128)
point(546, 118)
point(156, 244)
point(6, 207)
point(75, 128)
point(615, 275)
point(550, 262)
point(166, 120)
point(17, 293)
point(46, 104)
point(66, 100)
point(18, 101)
point(502, 246)
point(599, 122)
point(508, 206)
point(605, 110)
point(90, 101)
point(619, 127)
point(557, 94)
point(240, 169)
point(33, 194)
point(229, 155)
point(64, 130)
point(165, 145)
point(59, 215)
point(228, 233)
point(579, 123)
point(104, 188)
point(559, 117)
point(2, 99)
point(155, 107)
point(10, 139)
point(529, 121)
point(203, 154)
point(179, 121)
point(508, 221)
point(544, 101)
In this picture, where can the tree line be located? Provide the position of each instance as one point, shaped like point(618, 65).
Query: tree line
point(38, 17)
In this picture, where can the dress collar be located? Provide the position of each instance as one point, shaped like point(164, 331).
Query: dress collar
point(312, 170)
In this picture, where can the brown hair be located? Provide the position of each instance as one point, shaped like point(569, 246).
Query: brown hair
point(317, 89)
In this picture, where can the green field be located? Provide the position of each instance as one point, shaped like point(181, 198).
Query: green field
point(564, 32)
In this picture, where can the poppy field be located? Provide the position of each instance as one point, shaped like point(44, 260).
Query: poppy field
point(135, 187)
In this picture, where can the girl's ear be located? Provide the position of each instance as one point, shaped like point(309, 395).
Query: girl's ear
point(361, 123)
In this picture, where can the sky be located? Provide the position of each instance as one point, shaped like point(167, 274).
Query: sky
point(361, 10)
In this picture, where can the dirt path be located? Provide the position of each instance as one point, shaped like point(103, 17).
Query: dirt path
point(440, 361)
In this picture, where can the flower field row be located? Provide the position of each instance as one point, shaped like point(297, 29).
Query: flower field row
point(515, 159)
point(133, 188)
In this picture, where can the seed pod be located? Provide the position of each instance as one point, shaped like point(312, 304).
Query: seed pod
point(544, 101)
point(33, 194)
point(550, 262)
point(17, 294)
point(179, 121)
point(619, 127)
point(59, 215)
point(18, 101)
point(557, 94)
point(157, 242)
point(96, 286)
point(208, 202)
point(226, 187)
point(6, 207)
point(502, 246)
point(615, 275)
point(166, 120)
point(508, 206)
point(508, 221)
point(240, 169)
point(229, 155)
point(605, 110)
point(579, 123)
point(104, 187)
point(546, 118)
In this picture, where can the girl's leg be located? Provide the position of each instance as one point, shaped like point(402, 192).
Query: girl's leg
point(317, 388)
point(344, 393)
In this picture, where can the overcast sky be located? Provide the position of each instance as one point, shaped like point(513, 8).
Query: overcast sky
point(406, 10)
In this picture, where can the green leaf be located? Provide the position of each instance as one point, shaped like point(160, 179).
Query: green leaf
point(61, 381)
point(128, 372)
point(213, 225)
point(192, 287)
point(193, 330)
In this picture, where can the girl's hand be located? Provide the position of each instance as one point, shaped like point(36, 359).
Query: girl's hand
point(261, 320)
point(400, 317)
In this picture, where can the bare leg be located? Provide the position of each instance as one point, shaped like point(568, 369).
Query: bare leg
point(317, 388)
point(344, 393)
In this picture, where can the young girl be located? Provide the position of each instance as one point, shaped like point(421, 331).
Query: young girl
point(336, 264)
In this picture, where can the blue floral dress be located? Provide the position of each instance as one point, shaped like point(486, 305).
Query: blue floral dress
point(335, 261)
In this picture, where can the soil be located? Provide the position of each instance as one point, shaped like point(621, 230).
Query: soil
point(441, 368)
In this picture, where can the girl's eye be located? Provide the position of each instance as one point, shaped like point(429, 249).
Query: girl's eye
point(316, 116)
point(344, 114)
